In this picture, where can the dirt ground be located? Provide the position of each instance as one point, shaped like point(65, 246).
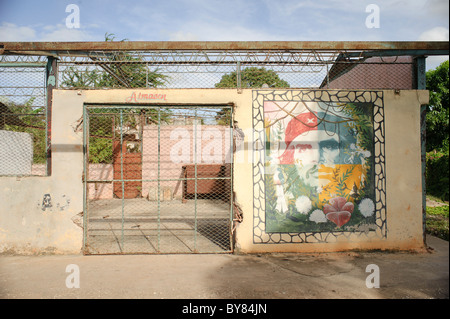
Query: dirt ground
point(402, 275)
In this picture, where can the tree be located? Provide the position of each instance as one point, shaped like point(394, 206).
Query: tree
point(251, 77)
point(26, 118)
point(120, 70)
point(437, 159)
point(438, 110)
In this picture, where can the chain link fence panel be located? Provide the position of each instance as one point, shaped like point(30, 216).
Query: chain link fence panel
point(158, 179)
point(23, 129)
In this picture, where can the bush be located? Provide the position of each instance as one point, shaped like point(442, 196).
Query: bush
point(437, 174)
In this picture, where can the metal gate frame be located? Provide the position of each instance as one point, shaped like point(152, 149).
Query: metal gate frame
point(122, 241)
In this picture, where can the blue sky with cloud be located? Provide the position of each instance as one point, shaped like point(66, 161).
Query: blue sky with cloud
point(220, 20)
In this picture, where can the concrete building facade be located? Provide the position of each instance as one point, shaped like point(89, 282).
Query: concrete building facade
point(43, 214)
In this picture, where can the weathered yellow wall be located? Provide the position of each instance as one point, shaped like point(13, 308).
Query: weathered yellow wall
point(403, 168)
point(403, 184)
point(25, 227)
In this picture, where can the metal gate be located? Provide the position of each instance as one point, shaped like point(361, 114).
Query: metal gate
point(157, 179)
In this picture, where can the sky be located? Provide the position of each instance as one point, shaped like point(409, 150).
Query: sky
point(226, 20)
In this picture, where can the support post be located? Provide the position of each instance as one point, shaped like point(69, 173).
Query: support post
point(50, 83)
point(423, 157)
point(421, 84)
point(420, 73)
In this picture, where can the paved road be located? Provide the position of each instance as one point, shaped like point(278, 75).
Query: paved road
point(295, 276)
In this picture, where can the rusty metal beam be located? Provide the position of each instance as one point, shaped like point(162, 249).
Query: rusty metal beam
point(222, 45)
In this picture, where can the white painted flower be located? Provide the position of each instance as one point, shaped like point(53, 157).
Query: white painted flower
point(318, 216)
point(303, 204)
point(367, 207)
point(366, 154)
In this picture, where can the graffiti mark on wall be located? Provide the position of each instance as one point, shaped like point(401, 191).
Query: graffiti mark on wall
point(65, 203)
point(49, 204)
point(46, 202)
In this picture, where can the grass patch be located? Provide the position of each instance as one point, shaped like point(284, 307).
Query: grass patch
point(437, 221)
point(436, 199)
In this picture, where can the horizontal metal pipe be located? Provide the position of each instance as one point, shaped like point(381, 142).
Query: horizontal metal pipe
point(53, 47)
point(225, 62)
point(23, 64)
point(155, 180)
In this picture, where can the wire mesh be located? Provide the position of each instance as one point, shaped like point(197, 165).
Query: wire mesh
point(23, 82)
point(235, 69)
point(158, 179)
point(23, 129)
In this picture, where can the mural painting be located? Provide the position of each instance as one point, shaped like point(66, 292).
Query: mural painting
point(321, 168)
point(318, 165)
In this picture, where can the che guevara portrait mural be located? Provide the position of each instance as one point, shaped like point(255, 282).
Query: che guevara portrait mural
point(318, 166)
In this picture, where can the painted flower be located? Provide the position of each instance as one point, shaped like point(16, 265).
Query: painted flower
point(318, 216)
point(338, 211)
point(303, 204)
point(366, 154)
point(367, 207)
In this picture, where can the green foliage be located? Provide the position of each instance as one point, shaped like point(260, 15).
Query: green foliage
point(438, 211)
point(437, 174)
point(437, 126)
point(340, 181)
point(362, 113)
point(104, 128)
point(223, 117)
point(101, 138)
point(253, 77)
point(121, 70)
point(437, 221)
point(28, 119)
point(270, 194)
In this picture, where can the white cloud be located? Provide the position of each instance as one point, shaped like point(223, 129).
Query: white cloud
point(222, 31)
point(62, 33)
point(182, 36)
point(59, 32)
point(433, 62)
point(435, 34)
point(12, 32)
point(438, 8)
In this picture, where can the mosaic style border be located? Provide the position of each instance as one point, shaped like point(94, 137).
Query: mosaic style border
point(260, 236)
